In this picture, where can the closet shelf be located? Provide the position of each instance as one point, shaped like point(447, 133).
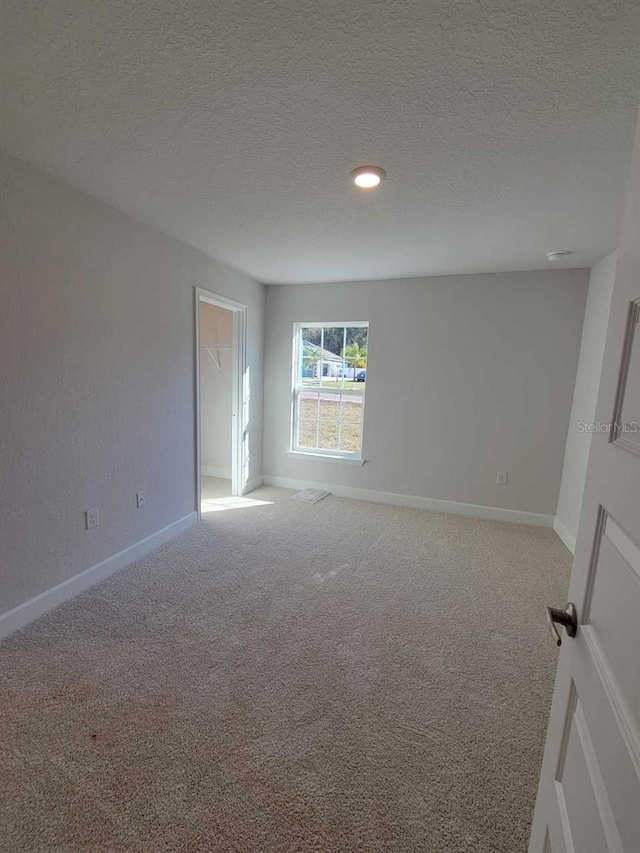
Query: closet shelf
point(214, 352)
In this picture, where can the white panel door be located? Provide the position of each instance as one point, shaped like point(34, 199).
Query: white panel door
point(589, 793)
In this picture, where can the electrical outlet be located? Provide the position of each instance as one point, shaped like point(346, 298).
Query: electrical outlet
point(503, 478)
point(91, 518)
point(141, 500)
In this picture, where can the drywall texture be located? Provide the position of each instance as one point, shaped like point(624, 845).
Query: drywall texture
point(97, 378)
point(216, 389)
point(505, 126)
point(467, 375)
point(585, 396)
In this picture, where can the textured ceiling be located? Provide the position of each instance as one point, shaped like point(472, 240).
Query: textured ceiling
point(505, 125)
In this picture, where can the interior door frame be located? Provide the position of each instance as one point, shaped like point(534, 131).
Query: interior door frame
point(238, 415)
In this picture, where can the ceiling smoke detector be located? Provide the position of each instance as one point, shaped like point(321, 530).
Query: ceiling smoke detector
point(368, 177)
point(558, 254)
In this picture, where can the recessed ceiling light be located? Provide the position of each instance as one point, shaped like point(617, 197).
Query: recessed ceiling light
point(558, 254)
point(368, 177)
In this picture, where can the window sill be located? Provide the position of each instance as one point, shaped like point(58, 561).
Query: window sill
point(325, 457)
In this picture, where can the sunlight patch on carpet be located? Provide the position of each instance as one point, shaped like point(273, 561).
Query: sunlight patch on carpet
point(221, 504)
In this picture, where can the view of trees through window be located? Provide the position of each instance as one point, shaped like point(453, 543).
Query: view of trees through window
point(330, 387)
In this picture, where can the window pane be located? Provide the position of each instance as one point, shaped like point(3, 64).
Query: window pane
point(352, 409)
point(329, 408)
point(308, 405)
point(328, 435)
point(332, 362)
point(355, 354)
point(350, 437)
point(307, 434)
point(310, 371)
point(312, 335)
point(310, 364)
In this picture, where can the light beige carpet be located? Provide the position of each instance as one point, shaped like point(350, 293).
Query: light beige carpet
point(290, 677)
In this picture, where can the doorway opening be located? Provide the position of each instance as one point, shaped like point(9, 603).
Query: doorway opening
point(222, 399)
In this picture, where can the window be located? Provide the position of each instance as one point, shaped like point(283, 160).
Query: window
point(329, 381)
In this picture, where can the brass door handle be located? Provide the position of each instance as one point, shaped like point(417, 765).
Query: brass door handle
point(567, 616)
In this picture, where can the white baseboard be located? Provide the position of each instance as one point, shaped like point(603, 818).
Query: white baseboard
point(568, 539)
point(494, 513)
point(210, 471)
point(252, 484)
point(40, 604)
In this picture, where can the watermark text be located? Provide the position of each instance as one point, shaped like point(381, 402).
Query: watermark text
point(617, 428)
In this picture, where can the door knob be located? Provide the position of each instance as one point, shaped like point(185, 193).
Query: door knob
point(567, 616)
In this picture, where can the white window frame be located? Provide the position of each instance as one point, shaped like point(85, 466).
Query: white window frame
point(296, 387)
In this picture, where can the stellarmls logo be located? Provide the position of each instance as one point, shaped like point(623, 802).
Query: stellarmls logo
point(598, 426)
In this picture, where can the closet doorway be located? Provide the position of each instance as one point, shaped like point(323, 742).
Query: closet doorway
point(222, 416)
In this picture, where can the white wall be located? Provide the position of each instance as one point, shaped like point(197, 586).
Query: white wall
point(216, 390)
point(467, 375)
point(97, 378)
point(585, 397)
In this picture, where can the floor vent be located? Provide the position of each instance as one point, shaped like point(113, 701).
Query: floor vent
point(311, 496)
